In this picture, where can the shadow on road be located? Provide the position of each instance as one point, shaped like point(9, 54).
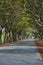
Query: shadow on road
point(19, 51)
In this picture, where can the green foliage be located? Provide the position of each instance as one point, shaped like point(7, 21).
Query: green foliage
point(19, 15)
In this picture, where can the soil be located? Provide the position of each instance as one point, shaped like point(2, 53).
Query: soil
point(40, 47)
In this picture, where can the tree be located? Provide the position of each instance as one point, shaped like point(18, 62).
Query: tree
point(18, 15)
point(35, 8)
point(13, 16)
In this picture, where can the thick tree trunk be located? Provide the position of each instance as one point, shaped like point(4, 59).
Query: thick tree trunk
point(41, 36)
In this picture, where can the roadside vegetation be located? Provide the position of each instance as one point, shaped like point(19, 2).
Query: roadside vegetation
point(21, 19)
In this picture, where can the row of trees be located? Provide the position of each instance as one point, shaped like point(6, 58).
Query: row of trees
point(19, 15)
point(35, 8)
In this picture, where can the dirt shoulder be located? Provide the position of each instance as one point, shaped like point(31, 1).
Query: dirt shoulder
point(39, 45)
point(7, 44)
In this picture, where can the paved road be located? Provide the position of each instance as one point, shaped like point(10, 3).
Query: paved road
point(20, 53)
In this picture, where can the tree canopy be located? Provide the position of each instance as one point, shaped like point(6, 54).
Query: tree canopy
point(20, 15)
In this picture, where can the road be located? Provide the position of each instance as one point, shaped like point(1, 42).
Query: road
point(20, 53)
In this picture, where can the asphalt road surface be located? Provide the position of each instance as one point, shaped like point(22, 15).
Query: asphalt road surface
point(20, 53)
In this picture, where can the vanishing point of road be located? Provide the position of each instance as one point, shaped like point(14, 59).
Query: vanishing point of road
point(20, 53)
